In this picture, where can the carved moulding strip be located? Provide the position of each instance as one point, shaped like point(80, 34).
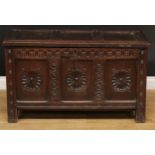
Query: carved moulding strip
point(121, 80)
point(41, 53)
point(30, 53)
point(140, 110)
point(53, 79)
point(99, 82)
point(107, 53)
point(12, 112)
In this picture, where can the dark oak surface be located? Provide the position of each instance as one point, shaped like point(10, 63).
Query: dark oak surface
point(75, 37)
point(64, 70)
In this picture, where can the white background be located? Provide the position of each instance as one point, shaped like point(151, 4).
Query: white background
point(77, 12)
point(77, 142)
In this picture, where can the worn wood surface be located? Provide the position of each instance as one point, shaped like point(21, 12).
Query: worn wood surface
point(79, 123)
point(74, 38)
point(63, 71)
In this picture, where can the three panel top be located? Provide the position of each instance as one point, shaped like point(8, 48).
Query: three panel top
point(75, 38)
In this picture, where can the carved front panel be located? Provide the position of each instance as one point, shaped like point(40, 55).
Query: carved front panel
point(75, 74)
point(77, 78)
point(120, 80)
point(31, 80)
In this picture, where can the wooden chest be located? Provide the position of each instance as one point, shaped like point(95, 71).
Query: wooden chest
point(76, 70)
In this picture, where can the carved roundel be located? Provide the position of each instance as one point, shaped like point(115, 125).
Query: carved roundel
point(76, 79)
point(31, 80)
point(121, 81)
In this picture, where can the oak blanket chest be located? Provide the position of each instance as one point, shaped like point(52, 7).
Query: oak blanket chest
point(76, 70)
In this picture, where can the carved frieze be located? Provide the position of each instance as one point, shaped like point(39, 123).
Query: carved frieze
point(42, 53)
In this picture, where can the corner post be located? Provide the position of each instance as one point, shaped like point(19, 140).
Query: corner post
point(141, 90)
point(11, 105)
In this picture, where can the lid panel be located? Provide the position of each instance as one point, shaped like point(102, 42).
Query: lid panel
point(75, 37)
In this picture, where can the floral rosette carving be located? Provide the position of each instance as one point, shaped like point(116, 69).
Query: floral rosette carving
point(31, 80)
point(121, 81)
point(76, 79)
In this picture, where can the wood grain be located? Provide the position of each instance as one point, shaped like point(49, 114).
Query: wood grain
point(76, 70)
point(79, 124)
point(72, 38)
